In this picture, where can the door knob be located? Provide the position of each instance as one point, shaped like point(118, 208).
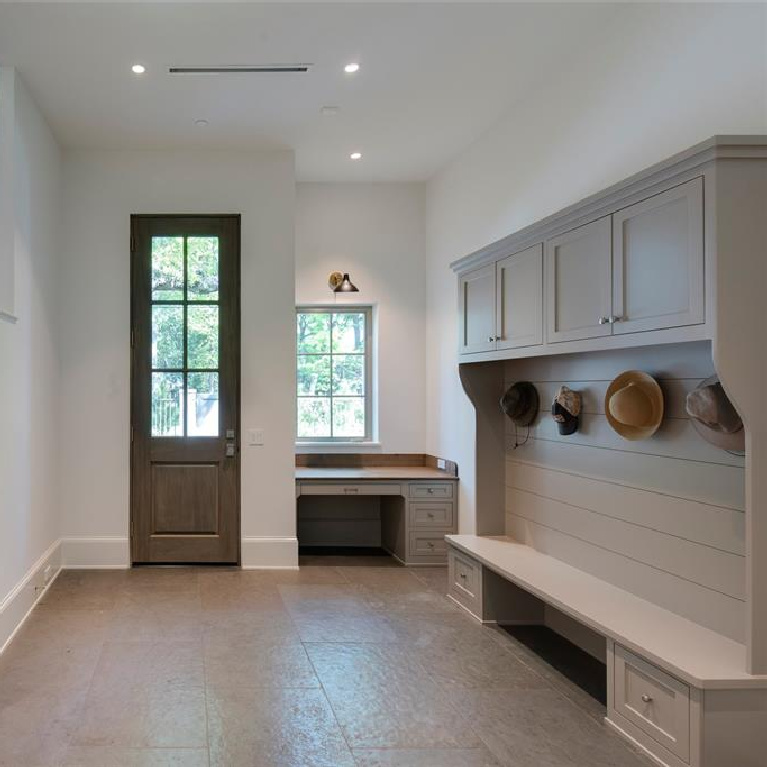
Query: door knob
point(647, 698)
point(604, 320)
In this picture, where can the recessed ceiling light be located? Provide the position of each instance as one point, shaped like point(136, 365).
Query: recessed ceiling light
point(138, 69)
point(201, 123)
point(351, 68)
point(355, 156)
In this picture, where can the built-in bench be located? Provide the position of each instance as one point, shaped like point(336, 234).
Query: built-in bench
point(670, 681)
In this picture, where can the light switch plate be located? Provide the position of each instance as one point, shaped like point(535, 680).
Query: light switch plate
point(255, 436)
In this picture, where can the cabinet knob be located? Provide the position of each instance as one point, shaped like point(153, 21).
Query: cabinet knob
point(497, 338)
point(604, 320)
point(491, 339)
point(647, 698)
point(463, 575)
point(614, 318)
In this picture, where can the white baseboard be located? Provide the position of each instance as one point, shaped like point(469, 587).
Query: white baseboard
point(103, 553)
point(270, 553)
point(21, 599)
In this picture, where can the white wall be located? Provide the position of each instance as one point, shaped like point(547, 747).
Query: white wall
point(29, 369)
point(376, 233)
point(666, 77)
point(101, 190)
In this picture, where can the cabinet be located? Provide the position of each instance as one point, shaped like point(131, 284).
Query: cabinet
point(578, 283)
point(658, 261)
point(477, 310)
point(519, 299)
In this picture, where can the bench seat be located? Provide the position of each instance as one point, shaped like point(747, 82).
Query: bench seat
point(688, 651)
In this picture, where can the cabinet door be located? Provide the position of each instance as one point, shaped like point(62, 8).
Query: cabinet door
point(658, 261)
point(477, 311)
point(578, 283)
point(519, 301)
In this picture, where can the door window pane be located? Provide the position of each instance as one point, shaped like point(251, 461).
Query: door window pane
point(202, 337)
point(167, 337)
point(202, 405)
point(348, 333)
point(313, 333)
point(348, 417)
point(167, 268)
point(348, 374)
point(167, 404)
point(314, 375)
point(314, 417)
point(202, 268)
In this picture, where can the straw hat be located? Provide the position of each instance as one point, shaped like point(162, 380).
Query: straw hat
point(634, 405)
point(714, 416)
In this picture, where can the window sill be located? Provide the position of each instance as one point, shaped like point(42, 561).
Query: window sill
point(337, 447)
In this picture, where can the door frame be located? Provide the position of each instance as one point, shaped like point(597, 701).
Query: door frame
point(236, 317)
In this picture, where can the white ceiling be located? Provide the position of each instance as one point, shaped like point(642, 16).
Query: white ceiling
point(434, 77)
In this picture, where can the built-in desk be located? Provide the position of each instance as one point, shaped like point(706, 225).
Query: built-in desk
point(418, 503)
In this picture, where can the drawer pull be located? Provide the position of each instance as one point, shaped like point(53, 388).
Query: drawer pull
point(430, 515)
point(430, 490)
point(647, 699)
point(351, 490)
point(463, 575)
point(430, 544)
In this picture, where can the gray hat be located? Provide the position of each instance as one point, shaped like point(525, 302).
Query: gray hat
point(520, 403)
point(714, 416)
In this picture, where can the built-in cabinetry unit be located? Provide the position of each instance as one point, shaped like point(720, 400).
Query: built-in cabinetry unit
point(416, 502)
point(638, 269)
point(658, 549)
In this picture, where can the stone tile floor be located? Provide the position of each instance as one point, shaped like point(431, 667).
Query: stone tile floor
point(327, 666)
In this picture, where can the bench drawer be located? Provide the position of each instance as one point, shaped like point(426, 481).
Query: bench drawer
point(652, 700)
point(320, 488)
point(434, 490)
point(432, 514)
point(465, 581)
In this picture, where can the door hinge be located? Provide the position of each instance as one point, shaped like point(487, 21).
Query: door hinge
point(131, 433)
point(132, 244)
point(132, 338)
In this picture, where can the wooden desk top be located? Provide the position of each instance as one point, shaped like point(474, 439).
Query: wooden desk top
point(375, 473)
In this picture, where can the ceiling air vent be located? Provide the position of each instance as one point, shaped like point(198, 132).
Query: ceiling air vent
point(240, 69)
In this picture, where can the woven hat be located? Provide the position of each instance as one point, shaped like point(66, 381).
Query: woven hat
point(566, 409)
point(714, 416)
point(520, 403)
point(634, 405)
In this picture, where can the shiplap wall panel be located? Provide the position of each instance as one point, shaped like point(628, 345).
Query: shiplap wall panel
point(716, 611)
point(716, 526)
point(662, 518)
point(695, 562)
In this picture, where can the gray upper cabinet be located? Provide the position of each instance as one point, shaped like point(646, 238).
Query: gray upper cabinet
point(578, 283)
point(658, 261)
point(519, 299)
point(477, 311)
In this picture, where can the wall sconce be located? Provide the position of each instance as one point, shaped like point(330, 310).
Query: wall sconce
point(339, 282)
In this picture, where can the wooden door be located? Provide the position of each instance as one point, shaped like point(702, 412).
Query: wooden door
point(185, 384)
point(579, 283)
point(519, 300)
point(658, 261)
point(477, 311)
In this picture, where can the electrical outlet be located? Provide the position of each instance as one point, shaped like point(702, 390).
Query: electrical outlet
point(441, 463)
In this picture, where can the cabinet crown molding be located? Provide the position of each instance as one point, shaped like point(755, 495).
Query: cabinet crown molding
point(676, 169)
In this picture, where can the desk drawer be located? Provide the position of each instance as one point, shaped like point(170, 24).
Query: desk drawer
point(432, 514)
point(352, 488)
point(433, 491)
point(465, 581)
point(654, 701)
point(427, 547)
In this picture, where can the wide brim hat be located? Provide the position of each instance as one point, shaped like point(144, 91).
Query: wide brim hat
point(634, 405)
point(520, 403)
point(714, 417)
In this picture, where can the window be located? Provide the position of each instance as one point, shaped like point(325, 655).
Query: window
point(334, 373)
point(185, 336)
